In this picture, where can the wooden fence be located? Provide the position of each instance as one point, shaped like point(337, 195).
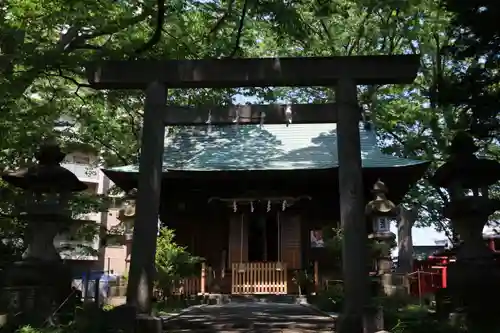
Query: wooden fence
point(259, 278)
point(188, 287)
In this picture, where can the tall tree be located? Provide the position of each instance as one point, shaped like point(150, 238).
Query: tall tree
point(476, 49)
point(44, 45)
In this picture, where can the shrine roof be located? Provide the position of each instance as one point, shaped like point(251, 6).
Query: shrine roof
point(422, 252)
point(266, 147)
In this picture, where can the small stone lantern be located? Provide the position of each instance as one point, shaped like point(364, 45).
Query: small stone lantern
point(47, 187)
point(126, 215)
point(380, 211)
point(475, 276)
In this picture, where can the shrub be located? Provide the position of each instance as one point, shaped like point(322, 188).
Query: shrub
point(173, 262)
point(330, 300)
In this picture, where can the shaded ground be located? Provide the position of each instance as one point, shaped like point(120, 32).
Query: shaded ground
point(250, 317)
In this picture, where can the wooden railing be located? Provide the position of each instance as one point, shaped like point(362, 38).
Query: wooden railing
point(259, 278)
point(189, 286)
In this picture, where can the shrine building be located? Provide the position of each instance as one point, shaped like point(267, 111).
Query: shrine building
point(253, 200)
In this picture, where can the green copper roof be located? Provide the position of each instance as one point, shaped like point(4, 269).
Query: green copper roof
point(267, 147)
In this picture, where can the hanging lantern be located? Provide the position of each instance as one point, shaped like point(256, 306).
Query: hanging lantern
point(209, 121)
point(236, 119)
point(288, 114)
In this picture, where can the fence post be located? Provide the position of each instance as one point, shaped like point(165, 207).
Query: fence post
point(316, 276)
point(203, 278)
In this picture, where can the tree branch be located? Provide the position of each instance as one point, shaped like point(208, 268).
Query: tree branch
point(359, 35)
point(240, 30)
point(160, 21)
point(68, 42)
point(223, 18)
point(111, 28)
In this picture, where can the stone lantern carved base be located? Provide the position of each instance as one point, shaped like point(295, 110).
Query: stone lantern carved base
point(475, 276)
point(471, 284)
point(36, 288)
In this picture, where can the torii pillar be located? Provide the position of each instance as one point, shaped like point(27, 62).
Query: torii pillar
point(343, 72)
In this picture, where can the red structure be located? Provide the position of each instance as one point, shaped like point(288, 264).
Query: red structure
point(430, 273)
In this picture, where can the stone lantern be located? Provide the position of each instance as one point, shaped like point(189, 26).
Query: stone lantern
point(475, 275)
point(47, 189)
point(126, 215)
point(381, 211)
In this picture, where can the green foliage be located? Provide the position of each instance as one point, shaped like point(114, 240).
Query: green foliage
point(414, 319)
point(333, 239)
point(400, 314)
point(474, 86)
point(44, 45)
point(303, 279)
point(330, 300)
point(173, 262)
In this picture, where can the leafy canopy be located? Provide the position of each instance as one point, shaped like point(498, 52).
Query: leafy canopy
point(45, 44)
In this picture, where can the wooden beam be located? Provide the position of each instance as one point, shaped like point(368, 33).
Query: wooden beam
point(251, 114)
point(263, 72)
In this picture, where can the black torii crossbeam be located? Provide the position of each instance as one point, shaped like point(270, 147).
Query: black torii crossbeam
point(345, 73)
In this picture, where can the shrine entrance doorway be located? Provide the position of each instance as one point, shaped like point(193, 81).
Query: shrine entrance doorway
point(264, 237)
point(257, 266)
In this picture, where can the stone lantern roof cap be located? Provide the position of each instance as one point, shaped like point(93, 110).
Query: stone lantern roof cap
point(380, 205)
point(464, 167)
point(47, 175)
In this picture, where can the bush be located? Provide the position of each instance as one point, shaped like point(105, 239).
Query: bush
point(400, 316)
point(331, 300)
point(173, 263)
point(414, 319)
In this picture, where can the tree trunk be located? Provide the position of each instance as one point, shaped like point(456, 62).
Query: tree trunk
point(406, 220)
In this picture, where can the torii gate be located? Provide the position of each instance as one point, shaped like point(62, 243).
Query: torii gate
point(345, 73)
